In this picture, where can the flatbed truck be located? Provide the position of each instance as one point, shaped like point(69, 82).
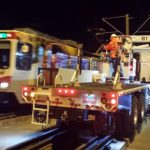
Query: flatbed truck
point(110, 110)
point(116, 107)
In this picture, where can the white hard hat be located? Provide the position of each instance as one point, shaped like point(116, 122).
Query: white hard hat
point(113, 35)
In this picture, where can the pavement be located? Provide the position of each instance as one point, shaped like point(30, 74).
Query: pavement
point(17, 130)
point(142, 140)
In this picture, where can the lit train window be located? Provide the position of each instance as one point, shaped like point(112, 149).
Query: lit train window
point(24, 56)
point(4, 54)
point(85, 64)
point(62, 60)
point(94, 65)
point(72, 62)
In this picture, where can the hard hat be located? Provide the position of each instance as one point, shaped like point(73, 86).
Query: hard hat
point(113, 35)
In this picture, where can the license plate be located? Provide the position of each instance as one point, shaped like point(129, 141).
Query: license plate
point(90, 99)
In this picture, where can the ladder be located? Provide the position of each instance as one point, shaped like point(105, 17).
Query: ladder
point(40, 112)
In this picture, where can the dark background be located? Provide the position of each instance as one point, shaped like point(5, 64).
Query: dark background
point(72, 19)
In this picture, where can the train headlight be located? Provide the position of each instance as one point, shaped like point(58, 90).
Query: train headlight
point(4, 85)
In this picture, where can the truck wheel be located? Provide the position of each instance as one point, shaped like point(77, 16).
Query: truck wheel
point(133, 119)
point(134, 113)
point(127, 121)
point(141, 107)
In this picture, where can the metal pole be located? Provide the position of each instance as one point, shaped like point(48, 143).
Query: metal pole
point(127, 24)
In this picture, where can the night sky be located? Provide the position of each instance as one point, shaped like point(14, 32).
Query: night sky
point(72, 19)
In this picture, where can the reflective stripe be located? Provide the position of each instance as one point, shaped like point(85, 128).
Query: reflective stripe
point(113, 54)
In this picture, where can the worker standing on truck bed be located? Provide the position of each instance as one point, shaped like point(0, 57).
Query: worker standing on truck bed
point(114, 46)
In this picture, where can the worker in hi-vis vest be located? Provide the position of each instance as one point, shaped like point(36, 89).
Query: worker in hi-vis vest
point(114, 49)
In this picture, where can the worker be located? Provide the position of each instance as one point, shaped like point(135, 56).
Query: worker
point(114, 46)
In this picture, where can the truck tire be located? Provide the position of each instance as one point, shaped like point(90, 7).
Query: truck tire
point(141, 107)
point(127, 121)
point(133, 119)
point(134, 112)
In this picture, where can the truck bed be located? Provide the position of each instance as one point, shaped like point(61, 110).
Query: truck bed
point(126, 88)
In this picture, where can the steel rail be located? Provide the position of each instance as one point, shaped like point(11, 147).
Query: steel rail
point(36, 139)
point(95, 143)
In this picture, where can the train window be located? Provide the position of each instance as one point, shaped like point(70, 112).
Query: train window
point(85, 64)
point(72, 62)
point(24, 56)
point(24, 63)
point(62, 60)
point(94, 65)
point(4, 54)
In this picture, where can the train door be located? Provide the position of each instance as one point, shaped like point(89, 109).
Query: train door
point(5, 65)
point(24, 72)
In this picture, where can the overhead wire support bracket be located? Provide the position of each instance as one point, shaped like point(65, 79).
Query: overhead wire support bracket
point(104, 19)
point(114, 17)
point(142, 25)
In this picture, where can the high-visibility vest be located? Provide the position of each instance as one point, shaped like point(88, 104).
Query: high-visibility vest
point(113, 54)
point(114, 47)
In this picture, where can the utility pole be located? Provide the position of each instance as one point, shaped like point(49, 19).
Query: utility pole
point(127, 24)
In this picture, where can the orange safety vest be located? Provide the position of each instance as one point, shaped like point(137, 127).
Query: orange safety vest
point(113, 47)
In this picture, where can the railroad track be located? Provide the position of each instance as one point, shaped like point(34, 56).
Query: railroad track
point(67, 139)
point(42, 140)
point(4, 116)
point(102, 143)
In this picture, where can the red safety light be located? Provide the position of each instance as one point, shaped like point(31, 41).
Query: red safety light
point(65, 92)
point(113, 95)
point(72, 91)
point(59, 91)
point(25, 93)
point(25, 88)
